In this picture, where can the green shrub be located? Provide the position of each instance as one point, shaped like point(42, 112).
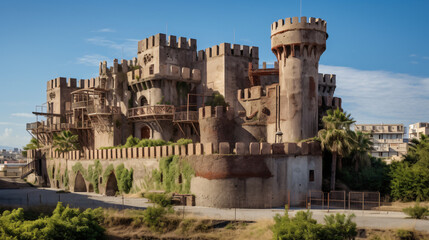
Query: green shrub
point(409, 182)
point(416, 212)
point(154, 217)
point(217, 99)
point(303, 226)
point(338, 227)
point(183, 141)
point(125, 178)
point(65, 223)
point(405, 234)
point(163, 200)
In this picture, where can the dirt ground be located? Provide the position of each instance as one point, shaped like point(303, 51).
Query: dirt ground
point(398, 206)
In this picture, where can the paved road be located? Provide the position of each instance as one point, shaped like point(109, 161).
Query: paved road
point(40, 196)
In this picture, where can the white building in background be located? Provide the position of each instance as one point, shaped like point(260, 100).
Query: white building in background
point(415, 130)
point(388, 139)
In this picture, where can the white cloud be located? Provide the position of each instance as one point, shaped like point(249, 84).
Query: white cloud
point(92, 60)
point(380, 96)
point(105, 30)
point(128, 46)
point(10, 139)
point(26, 115)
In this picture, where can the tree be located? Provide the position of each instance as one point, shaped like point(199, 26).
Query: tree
point(33, 144)
point(417, 148)
point(361, 151)
point(336, 137)
point(65, 141)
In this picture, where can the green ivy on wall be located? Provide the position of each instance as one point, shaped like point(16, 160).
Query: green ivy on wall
point(174, 175)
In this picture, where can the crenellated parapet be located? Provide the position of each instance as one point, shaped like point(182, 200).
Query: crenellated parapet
point(161, 40)
point(192, 149)
point(61, 82)
point(226, 49)
point(218, 112)
point(164, 70)
point(327, 84)
point(296, 23)
point(116, 66)
point(330, 102)
point(297, 37)
point(253, 93)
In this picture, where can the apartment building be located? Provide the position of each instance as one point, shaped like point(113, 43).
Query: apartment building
point(388, 139)
point(417, 129)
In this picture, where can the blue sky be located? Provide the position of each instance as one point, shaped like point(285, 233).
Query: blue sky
point(378, 49)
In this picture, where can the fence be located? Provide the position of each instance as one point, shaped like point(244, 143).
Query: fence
point(342, 200)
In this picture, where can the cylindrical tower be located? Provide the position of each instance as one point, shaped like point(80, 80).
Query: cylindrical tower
point(298, 46)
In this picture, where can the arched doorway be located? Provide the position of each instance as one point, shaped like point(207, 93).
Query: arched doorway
point(79, 183)
point(143, 101)
point(145, 132)
point(90, 188)
point(111, 185)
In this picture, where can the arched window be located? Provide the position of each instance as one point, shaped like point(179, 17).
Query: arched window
point(143, 101)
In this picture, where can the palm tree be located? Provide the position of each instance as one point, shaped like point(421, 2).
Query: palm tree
point(65, 142)
point(417, 146)
point(362, 149)
point(336, 137)
point(33, 144)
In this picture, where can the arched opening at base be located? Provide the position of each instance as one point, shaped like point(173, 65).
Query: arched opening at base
point(79, 183)
point(90, 188)
point(111, 185)
point(57, 184)
point(145, 132)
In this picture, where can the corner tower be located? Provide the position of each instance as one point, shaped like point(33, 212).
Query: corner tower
point(298, 46)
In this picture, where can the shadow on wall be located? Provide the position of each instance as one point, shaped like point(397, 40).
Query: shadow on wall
point(79, 184)
point(111, 185)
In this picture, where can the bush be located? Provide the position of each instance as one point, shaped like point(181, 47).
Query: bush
point(183, 141)
point(217, 99)
point(161, 199)
point(65, 223)
point(409, 182)
point(405, 234)
point(416, 212)
point(125, 178)
point(154, 217)
point(303, 226)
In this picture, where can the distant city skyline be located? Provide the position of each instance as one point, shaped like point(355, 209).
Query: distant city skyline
point(377, 49)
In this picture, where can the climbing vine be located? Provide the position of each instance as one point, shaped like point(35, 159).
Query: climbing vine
point(174, 175)
point(124, 178)
point(94, 172)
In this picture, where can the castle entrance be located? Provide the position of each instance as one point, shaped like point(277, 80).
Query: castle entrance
point(145, 132)
point(111, 185)
point(79, 183)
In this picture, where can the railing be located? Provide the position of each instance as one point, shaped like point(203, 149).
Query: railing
point(151, 111)
point(62, 126)
point(186, 116)
point(31, 167)
point(33, 126)
point(82, 104)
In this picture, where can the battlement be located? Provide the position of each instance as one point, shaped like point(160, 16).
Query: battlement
point(252, 93)
point(160, 39)
point(164, 70)
point(61, 82)
point(297, 23)
point(328, 101)
point(192, 149)
point(215, 112)
point(116, 67)
point(327, 79)
point(226, 49)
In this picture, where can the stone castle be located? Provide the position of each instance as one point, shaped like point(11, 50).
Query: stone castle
point(166, 92)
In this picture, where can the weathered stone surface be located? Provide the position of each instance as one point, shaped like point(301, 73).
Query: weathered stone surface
point(241, 148)
point(208, 148)
point(305, 149)
point(265, 148)
point(224, 148)
point(199, 149)
point(152, 152)
point(191, 149)
point(254, 148)
point(278, 148)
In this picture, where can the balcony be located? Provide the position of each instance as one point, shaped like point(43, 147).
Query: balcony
point(149, 113)
point(82, 104)
point(102, 110)
point(58, 127)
